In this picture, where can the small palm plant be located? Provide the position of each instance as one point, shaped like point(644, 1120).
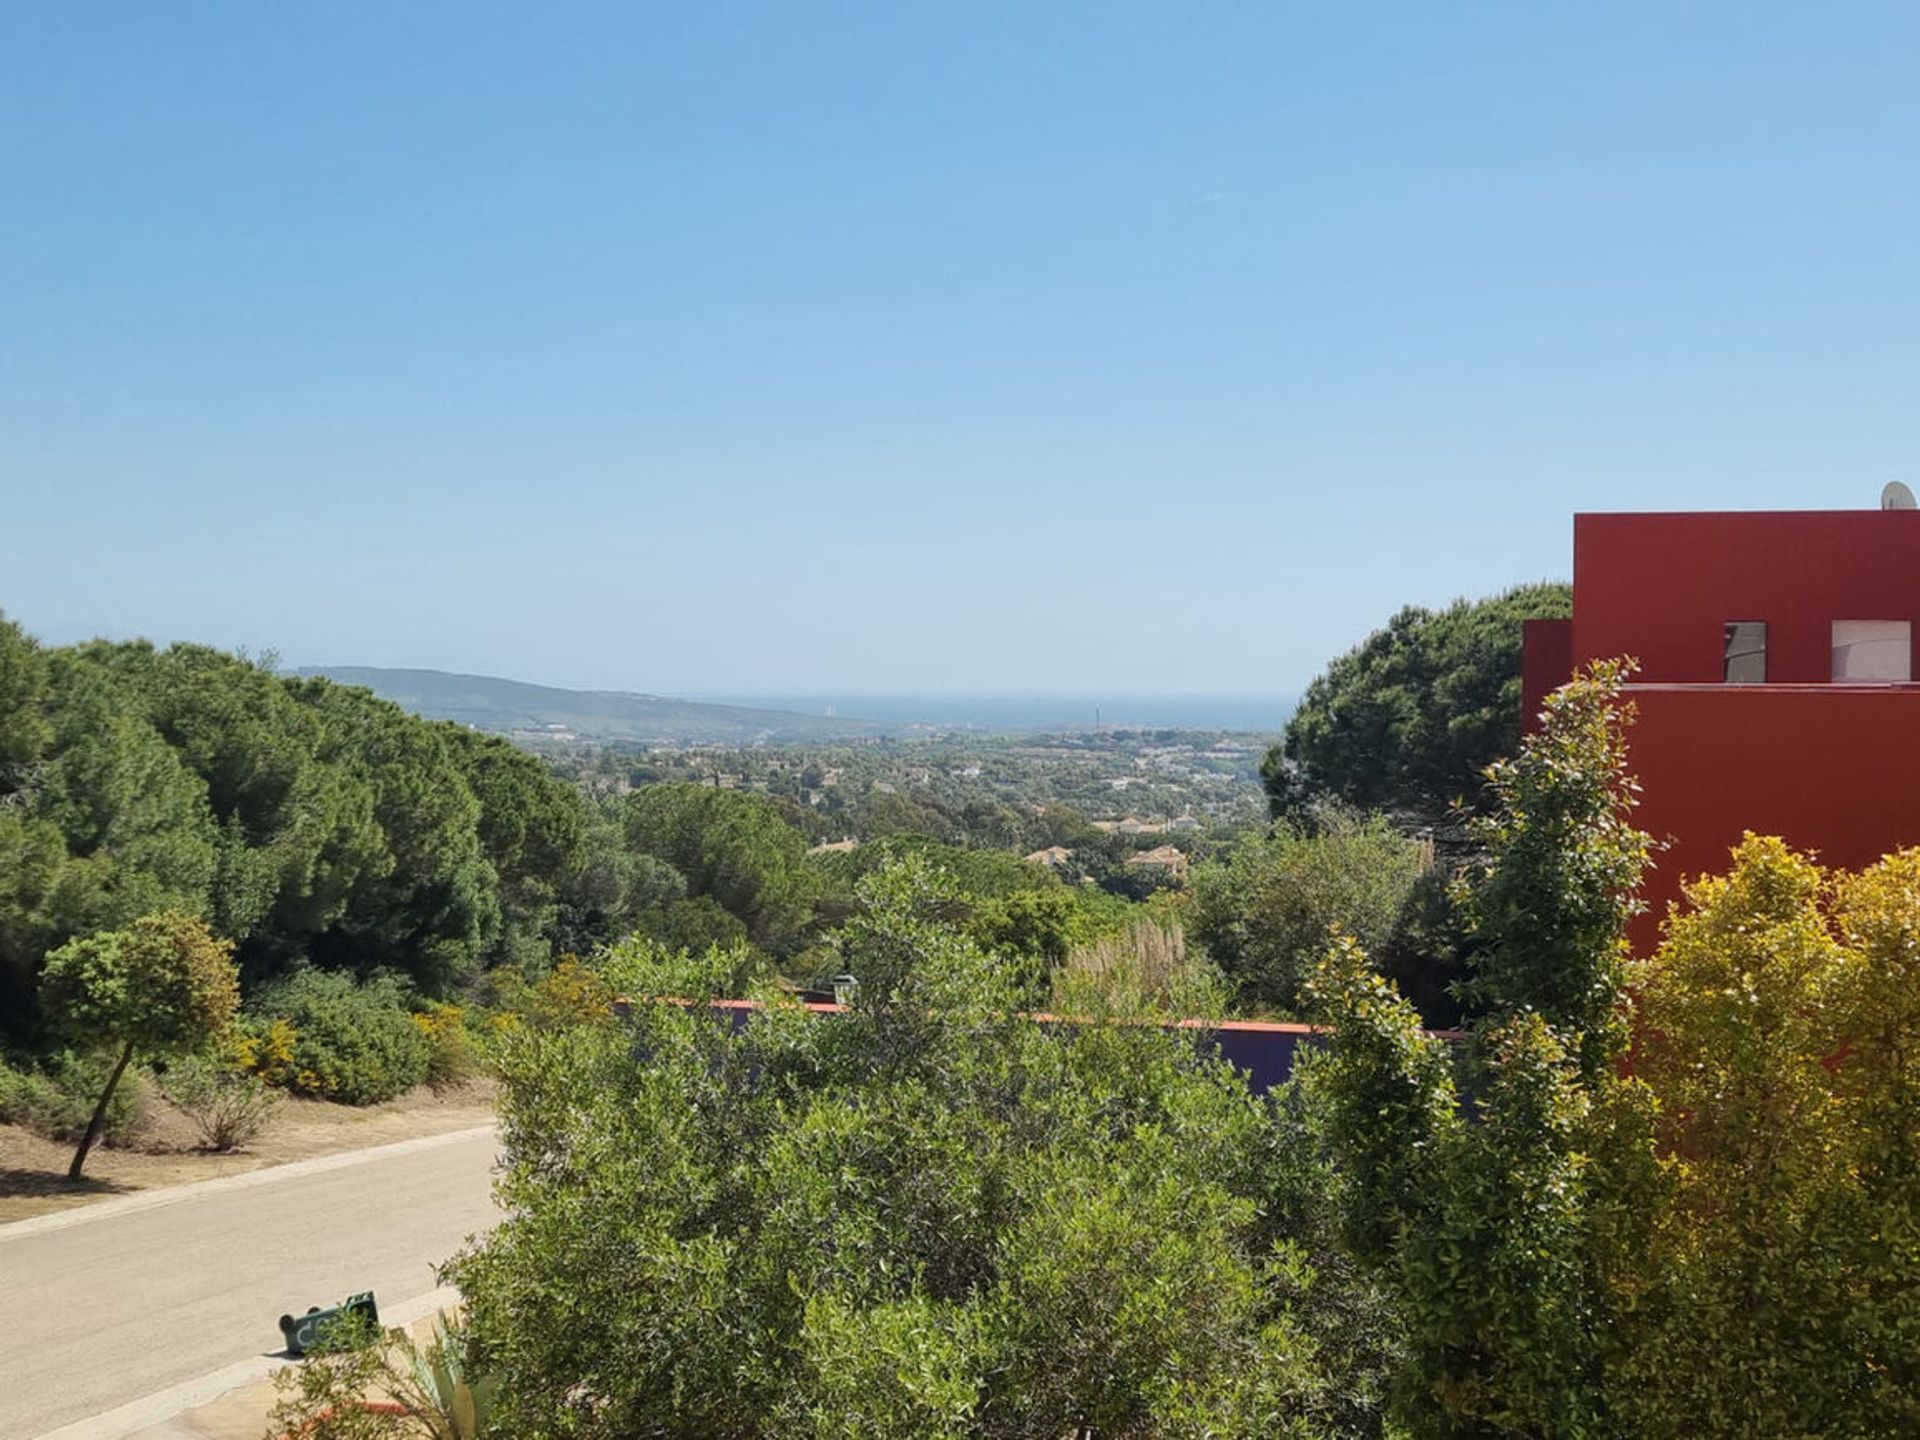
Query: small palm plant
point(445, 1387)
point(366, 1383)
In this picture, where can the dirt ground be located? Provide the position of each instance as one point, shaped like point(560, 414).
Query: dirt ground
point(33, 1171)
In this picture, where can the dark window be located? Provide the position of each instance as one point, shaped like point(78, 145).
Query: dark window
point(1746, 647)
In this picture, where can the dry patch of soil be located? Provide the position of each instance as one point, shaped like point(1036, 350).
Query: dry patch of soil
point(33, 1171)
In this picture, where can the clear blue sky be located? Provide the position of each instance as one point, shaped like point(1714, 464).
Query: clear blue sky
point(912, 347)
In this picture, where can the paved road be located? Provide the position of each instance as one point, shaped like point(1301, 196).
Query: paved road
point(107, 1309)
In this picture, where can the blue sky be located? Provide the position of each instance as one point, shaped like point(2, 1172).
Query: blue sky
point(908, 347)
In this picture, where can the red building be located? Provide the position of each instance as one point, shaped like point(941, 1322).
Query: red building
point(1776, 685)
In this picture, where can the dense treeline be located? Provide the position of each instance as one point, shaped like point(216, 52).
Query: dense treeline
point(305, 821)
point(1409, 719)
point(313, 824)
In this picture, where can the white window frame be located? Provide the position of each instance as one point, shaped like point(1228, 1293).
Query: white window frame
point(1872, 652)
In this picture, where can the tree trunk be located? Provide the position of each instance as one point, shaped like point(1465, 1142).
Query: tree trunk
point(99, 1114)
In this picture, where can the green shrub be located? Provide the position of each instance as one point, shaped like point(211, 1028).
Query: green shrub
point(1770, 1286)
point(56, 1101)
point(260, 1045)
point(574, 992)
point(696, 924)
point(1266, 914)
point(354, 1042)
point(229, 1107)
point(926, 1216)
point(451, 1055)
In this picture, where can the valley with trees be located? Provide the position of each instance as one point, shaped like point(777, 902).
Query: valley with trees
point(926, 1214)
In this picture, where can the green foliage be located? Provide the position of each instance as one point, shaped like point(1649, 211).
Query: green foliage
point(896, 1370)
point(611, 887)
point(1388, 1089)
point(24, 733)
point(56, 1098)
point(1409, 718)
point(733, 848)
point(977, 874)
point(925, 1216)
point(306, 822)
point(229, 1107)
point(696, 924)
point(1267, 912)
point(1549, 906)
point(644, 970)
point(429, 907)
point(1771, 1291)
point(33, 857)
point(295, 828)
point(162, 986)
point(532, 831)
point(1037, 927)
point(1498, 1233)
point(1014, 909)
point(354, 1041)
point(134, 818)
point(1714, 1236)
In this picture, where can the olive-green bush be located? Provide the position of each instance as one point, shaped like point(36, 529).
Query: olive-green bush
point(353, 1041)
point(56, 1098)
point(1265, 913)
point(927, 1216)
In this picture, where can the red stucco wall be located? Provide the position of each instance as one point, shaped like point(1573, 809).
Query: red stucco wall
point(1546, 663)
point(1832, 768)
point(1661, 587)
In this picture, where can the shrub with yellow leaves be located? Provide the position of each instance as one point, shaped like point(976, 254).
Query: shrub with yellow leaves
point(1778, 1025)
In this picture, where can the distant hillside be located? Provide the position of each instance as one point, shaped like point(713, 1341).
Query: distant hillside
point(531, 713)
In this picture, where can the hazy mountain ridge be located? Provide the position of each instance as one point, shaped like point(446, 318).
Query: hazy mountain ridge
point(532, 712)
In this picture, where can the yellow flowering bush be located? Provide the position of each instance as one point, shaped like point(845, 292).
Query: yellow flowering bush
point(259, 1046)
point(450, 1049)
point(572, 993)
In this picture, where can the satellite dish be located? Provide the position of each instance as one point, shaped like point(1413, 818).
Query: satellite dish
point(1894, 495)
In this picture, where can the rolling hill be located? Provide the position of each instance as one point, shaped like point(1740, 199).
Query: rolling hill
point(535, 713)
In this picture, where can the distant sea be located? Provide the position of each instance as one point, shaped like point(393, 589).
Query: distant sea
point(1264, 714)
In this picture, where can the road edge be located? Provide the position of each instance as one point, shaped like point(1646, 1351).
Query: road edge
point(267, 1175)
point(164, 1405)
